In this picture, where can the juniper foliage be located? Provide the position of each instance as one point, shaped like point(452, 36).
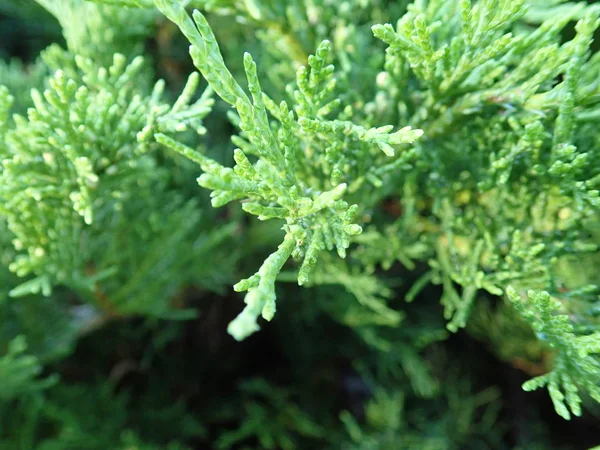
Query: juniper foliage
point(389, 158)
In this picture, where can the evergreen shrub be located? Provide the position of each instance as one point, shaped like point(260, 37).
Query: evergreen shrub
point(406, 193)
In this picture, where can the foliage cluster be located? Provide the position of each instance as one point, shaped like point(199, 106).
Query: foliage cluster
point(395, 183)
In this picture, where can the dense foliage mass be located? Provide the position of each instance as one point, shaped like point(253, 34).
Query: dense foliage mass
point(409, 192)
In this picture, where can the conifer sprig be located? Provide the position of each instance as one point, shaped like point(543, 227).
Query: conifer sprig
point(79, 165)
point(293, 178)
point(20, 371)
point(576, 366)
point(492, 190)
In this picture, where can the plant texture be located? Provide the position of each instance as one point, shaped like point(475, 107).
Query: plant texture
point(412, 185)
